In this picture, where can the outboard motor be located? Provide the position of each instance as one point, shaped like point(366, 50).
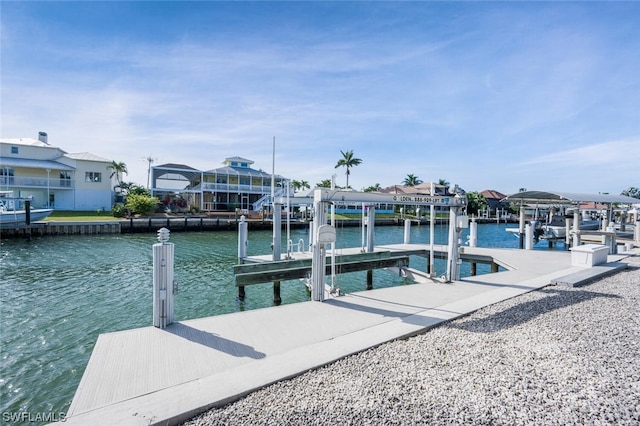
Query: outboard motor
point(536, 226)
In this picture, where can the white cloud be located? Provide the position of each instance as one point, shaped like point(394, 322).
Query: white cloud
point(621, 153)
point(483, 99)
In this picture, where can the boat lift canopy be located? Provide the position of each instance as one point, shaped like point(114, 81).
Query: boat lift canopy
point(338, 196)
point(569, 198)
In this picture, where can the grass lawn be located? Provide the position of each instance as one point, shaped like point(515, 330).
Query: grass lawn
point(81, 216)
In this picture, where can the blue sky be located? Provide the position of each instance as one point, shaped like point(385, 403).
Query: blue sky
point(488, 95)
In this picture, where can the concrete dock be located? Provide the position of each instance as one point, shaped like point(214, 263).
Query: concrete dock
point(165, 376)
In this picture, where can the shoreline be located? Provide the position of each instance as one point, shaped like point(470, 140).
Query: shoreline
point(553, 356)
point(184, 224)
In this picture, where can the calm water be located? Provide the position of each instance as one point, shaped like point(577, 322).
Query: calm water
point(59, 293)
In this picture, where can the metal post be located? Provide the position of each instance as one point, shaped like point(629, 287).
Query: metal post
point(407, 231)
point(326, 235)
point(364, 221)
point(521, 225)
point(333, 244)
point(317, 272)
point(371, 222)
point(452, 252)
point(277, 246)
point(576, 227)
point(473, 233)
point(528, 233)
point(243, 231)
point(277, 230)
point(163, 284)
point(288, 221)
point(318, 261)
point(432, 224)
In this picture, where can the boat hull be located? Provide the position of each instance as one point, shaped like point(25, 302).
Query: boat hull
point(18, 218)
point(560, 232)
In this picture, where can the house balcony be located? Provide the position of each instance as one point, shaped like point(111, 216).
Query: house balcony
point(10, 182)
point(235, 188)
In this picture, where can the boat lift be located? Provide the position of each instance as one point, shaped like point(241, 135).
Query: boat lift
point(573, 200)
point(323, 233)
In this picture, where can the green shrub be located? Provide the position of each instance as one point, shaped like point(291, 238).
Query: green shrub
point(141, 204)
point(119, 210)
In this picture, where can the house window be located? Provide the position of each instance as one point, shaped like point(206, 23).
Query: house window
point(93, 177)
point(6, 176)
point(14, 149)
point(65, 179)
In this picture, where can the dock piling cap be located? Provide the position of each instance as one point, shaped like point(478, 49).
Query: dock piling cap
point(326, 234)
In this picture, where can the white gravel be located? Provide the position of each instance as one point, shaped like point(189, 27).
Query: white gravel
point(558, 356)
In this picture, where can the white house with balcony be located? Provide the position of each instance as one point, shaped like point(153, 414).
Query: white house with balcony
point(236, 185)
point(53, 177)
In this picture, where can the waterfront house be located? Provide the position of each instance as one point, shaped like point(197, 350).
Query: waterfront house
point(52, 177)
point(234, 186)
point(494, 202)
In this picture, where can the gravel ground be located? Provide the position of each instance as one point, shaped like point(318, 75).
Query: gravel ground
point(558, 356)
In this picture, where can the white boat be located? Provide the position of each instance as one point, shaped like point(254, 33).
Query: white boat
point(556, 228)
point(13, 214)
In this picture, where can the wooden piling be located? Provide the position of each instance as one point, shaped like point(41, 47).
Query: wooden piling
point(474, 269)
point(276, 293)
point(370, 279)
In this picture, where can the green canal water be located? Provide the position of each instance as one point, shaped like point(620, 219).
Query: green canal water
point(59, 293)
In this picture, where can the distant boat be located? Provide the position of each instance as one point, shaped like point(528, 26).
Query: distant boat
point(13, 214)
point(556, 228)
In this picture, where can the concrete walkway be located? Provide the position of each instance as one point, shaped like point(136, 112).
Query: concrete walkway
point(153, 376)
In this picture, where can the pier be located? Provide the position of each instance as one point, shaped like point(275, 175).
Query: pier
point(169, 373)
point(165, 376)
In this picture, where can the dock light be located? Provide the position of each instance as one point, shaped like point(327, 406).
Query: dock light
point(163, 235)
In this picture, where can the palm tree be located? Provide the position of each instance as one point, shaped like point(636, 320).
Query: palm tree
point(444, 182)
point(348, 161)
point(632, 191)
point(476, 202)
point(411, 180)
point(372, 188)
point(118, 169)
point(300, 184)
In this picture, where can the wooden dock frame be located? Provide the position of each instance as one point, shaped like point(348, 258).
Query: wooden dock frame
point(260, 269)
point(283, 270)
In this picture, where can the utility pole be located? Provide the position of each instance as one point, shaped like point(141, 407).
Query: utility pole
point(150, 160)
